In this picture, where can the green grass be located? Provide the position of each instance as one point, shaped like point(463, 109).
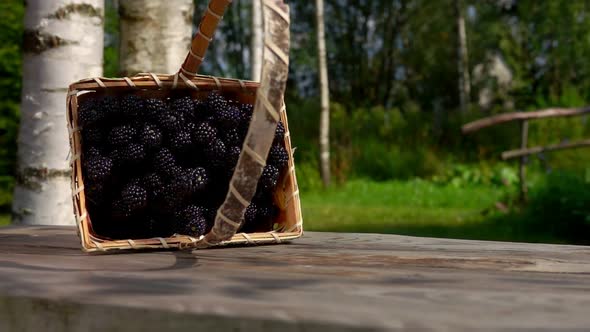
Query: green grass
point(4, 219)
point(416, 208)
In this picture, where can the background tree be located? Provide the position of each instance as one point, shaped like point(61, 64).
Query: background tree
point(257, 40)
point(155, 35)
point(56, 53)
point(325, 96)
point(462, 59)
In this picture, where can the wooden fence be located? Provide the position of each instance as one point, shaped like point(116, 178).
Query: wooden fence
point(524, 150)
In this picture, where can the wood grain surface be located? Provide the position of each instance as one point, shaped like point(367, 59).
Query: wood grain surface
point(322, 282)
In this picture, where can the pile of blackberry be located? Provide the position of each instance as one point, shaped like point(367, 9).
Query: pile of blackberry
point(158, 167)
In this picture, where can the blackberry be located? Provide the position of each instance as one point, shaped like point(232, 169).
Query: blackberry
point(246, 111)
point(108, 105)
point(98, 168)
point(197, 178)
point(170, 121)
point(183, 106)
point(133, 153)
point(278, 156)
point(232, 137)
point(215, 102)
point(250, 214)
point(154, 107)
point(131, 105)
point(269, 178)
point(233, 155)
point(92, 135)
point(133, 198)
point(228, 117)
point(122, 135)
point(150, 136)
point(152, 181)
point(88, 112)
point(216, 152)
point(192, 223)
point(120, 209)
point(115, 156)
point(279, 133)
point(180, 141)
point(204, 133)
point(92, 152)
point(164, 161)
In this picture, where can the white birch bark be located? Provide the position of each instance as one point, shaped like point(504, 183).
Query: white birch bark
point(462, 59)
point(155, 35)
point(257, 38)
point(325, 96)
point(63, 44)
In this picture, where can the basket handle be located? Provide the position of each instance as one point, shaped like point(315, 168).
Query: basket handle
point(266, 115)
point(203, 37)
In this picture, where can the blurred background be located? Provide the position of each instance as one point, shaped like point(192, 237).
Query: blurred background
point(403, 77)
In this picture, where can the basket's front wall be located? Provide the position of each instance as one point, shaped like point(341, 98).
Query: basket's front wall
point(289, 223)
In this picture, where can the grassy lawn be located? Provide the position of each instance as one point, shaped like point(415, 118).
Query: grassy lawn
point(4, 219)
point(415, 208)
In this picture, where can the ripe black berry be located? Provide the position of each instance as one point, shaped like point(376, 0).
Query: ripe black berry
point(154, 107)
point(183, 106)
point(150, 136)
point(132, 153)
point(192, 221)
point(279, 133)
point(197, 179)
point(269, 178)
point(204, 133)
point(98, 168)
point(233, 155)
point(232, 137)
point(216, 152)
point(133, 198)
point(88, 112)
point(164, 161)
point(131, 105)
point(180, 141)
point(122, 135)
point(278, 156)
point(228, 117)
point(216, 102)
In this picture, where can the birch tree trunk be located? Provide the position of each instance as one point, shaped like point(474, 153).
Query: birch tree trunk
point(256, 44)
point(63, 43)
point(462, 59)
point(155, 35)
point(325, 96)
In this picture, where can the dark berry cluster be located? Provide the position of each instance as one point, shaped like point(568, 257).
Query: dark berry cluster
point(160, 166)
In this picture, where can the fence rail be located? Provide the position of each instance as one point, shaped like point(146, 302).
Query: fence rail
point(525, 151)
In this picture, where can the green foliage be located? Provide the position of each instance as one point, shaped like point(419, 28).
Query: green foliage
point(560, 205)
point(11, 31)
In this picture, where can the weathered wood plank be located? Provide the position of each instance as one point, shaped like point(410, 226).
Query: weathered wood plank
point(325, 281)
point(507, 117)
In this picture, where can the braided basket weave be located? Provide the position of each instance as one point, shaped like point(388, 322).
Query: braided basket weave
point(267, 98)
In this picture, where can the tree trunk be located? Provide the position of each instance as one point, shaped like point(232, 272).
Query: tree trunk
point(462, 59)
point(63, 43)
point(155, 35)
point(325, 96)
point(256, 44)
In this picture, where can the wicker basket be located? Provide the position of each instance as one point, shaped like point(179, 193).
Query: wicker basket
point(287, 226)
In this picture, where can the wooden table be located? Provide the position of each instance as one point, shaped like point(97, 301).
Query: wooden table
point(323, 282)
